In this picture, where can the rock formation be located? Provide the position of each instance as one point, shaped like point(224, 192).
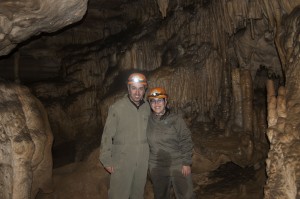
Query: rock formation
point(20, 20)
point(283, 133)
point(26, 143)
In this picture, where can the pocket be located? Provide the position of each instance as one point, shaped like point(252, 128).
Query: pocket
point(117, 156)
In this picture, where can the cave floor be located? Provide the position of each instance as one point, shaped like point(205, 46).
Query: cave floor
point(230, 181)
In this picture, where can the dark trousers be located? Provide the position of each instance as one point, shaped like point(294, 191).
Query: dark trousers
point(183, 186)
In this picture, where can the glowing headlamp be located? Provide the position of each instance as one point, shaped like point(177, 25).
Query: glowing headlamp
point(155, 94)
point(136, 80)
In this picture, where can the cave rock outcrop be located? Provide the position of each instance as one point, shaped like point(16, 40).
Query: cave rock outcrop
point(25, 144)
point(20, 20)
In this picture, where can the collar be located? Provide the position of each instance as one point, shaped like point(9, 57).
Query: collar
point(162, 117)
point(142, 101)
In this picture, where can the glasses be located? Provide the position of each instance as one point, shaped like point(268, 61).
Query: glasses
point(157, 101)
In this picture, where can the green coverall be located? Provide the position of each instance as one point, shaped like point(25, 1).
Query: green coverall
point(170, 148)
point(124, 147)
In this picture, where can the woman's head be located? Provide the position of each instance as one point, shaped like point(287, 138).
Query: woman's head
point(158, 100)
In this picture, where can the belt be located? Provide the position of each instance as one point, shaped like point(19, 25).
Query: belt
point(123, 143)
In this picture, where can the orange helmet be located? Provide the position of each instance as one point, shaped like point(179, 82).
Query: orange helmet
point(157, 92)
point(137, 78)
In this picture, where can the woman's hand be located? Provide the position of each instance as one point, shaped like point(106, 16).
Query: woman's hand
point(186, 170)
point(109, 169)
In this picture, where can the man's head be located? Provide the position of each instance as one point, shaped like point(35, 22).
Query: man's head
point(137, 84)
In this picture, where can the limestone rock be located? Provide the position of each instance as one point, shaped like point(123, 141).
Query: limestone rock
point(25, 144)
point(20, 20)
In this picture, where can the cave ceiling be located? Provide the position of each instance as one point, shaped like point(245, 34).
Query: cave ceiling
point(21, 20)
point(44, 33)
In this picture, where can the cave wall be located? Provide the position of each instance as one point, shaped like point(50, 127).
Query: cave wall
point(283, 113)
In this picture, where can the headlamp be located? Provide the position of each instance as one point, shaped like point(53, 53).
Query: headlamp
point(135, 79)
point(155, 94)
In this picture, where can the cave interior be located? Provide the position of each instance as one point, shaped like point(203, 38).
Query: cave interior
point(229, 66)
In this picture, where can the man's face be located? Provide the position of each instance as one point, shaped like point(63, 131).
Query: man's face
point(136, 92)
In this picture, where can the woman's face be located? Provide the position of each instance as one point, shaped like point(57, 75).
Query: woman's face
point(158, 105)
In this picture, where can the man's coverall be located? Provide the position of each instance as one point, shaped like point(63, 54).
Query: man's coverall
point(124, 147)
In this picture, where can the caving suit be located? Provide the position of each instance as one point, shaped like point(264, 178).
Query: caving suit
point(124, 147)
point(170, 148)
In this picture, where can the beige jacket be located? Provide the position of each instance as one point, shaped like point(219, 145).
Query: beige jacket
point(124, 136)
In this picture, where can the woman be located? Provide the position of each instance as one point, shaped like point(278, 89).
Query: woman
point(170, 149)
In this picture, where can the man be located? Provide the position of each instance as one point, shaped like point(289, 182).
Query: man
point(124, 150)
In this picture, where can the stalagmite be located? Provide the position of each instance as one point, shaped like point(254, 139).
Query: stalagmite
point(280, 168)
point(271, 99)
point(281, 102)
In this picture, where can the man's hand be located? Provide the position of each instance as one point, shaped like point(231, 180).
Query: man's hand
point(186, 170)
point(109, 169)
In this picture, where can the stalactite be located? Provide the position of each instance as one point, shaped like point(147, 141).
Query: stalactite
point(225, 96)
point(133, 57)
point(243, 5)
point(268, 12)
point(228, 9)
point(163, 6)
point(237, 97)
point(252, 29)
point(200, 98)
point(254, 10)
point(247, 99)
